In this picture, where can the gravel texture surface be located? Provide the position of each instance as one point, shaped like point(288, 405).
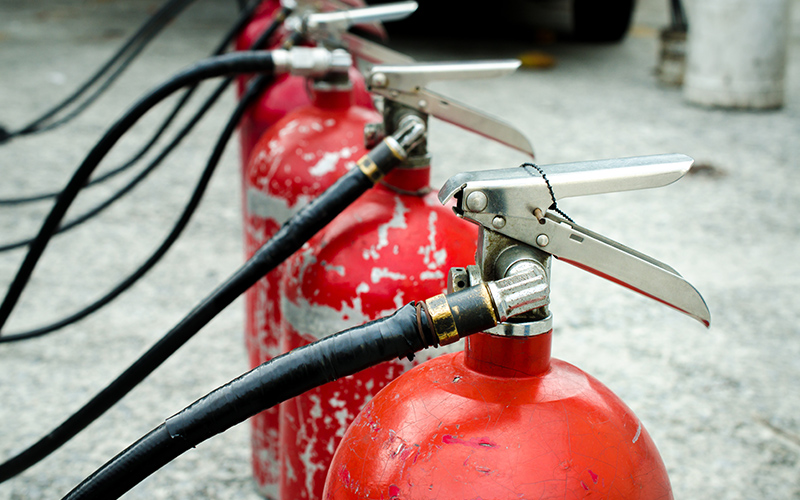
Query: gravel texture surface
point(722, 404)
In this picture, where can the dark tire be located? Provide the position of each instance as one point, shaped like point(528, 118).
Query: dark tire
point(602, 20)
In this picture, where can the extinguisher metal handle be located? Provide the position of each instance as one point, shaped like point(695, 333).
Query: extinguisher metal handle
point(371, 52)
point(343, 19)
point(519, 191)
point(405, 84)
point(608, 259)
point(515, 202)
point(328, 27)
point(411, 78)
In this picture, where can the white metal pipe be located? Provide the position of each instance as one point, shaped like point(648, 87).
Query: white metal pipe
point(737, 53)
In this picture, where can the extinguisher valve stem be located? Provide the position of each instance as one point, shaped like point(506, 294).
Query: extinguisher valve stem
point(410, 131)
point(481, 307)
point(518, 294)
point(393, 149)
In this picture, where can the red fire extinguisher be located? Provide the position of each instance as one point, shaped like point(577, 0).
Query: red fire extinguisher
point(268, 109)
point(294, 161)
point(394, 243)
point(502, 419)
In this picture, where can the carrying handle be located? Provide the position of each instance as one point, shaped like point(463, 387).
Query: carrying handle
point(405, 84)
point(519, 204)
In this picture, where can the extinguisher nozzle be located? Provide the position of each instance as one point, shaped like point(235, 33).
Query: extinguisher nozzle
point(394, 149)
point(478, 308)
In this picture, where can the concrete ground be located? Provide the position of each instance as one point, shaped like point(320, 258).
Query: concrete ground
point(721, 404)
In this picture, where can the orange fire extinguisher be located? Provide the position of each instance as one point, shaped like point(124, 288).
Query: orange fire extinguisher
point(502, 419)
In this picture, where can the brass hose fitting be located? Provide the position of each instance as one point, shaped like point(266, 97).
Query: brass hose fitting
point(478, 308)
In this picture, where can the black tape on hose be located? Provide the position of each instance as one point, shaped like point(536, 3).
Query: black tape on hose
point(298, 371)
point(275, 381)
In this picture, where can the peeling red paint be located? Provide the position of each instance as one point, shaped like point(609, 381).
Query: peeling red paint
point(394, 492)
point(594, 476)
point(407, 453)
point(277, 182)
point(584, 486)
point(382, 251)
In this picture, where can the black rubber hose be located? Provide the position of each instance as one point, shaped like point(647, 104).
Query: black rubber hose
point(97, 209)
point(679, 22)
point(259, 84)
point(161, 156)
point(93, 96)
point(143, 36)
point(290, 237)
point(244, 62)
point(275, 381)
point(254, 90)
point(234, 31)
point(136, 43)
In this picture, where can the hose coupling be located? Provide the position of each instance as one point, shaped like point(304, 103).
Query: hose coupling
point(519, 294)
point(410, 132)
point(311, 61)
point(393, 150)
point(478, 308)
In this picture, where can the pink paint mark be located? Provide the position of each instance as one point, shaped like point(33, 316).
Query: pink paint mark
point(584, 486)
point(394, 492)
point(594, 476)
point(375, 427)
point(407, 453)
point(474, 442)
point(344, 477)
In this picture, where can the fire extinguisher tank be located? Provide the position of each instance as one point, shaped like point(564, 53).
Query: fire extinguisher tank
point(268, 110)
point(294, 161)
point(394, 244)
point(500, 420)
point(288, 92)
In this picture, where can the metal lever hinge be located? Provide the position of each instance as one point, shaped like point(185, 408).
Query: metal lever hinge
point(515, 202)
point(405, 84)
